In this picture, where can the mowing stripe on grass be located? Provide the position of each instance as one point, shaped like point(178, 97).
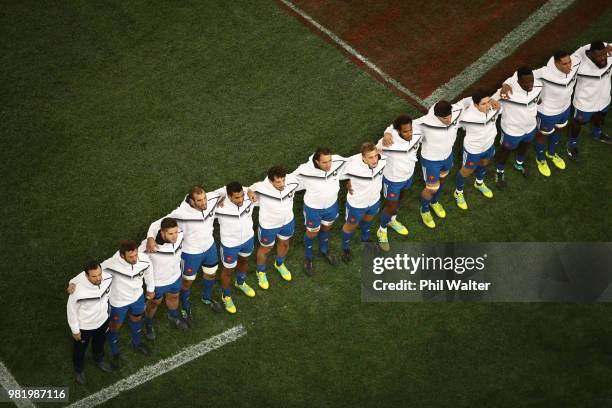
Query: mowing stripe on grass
point(499, 51)
point(337, 40)
point(8, 382)
point(148, 373)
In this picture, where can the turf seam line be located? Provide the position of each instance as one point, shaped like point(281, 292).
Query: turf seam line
point(340, 42)
point(9, 382)
point(502, 49)
point(150, 372)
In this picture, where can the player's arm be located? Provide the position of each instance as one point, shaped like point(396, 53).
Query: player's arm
point(252, 191)
point(149, 280)
point(73, 319)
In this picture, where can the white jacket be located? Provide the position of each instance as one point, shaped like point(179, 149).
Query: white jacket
point(438, 139)
point(401, 155)
point(321, 187)
point(521, 108)
point(276, 207)
point(592, 92)
point(480, 128)
point(166, 262)
point(87, 306)
point(557, 87)
point(196, 225)
point(366, 182)
point(128, 278)
point(235, 223)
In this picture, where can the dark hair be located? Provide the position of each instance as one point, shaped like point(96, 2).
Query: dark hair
point(523, 71)
point(479, 94)
point(233, 187)
point(91, 266)
point(400, 121)
point(276, 172)
point(597, 45)
point(195, 190)
point(443, 109)
point(321, 151)
point(168, 223)
point(560, 54)
point(127, 246)
point(367, 147)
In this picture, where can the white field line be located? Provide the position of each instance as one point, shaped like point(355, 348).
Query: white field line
point(499, 51)
point(148, 373)
point(9, 382)
point(401, 88)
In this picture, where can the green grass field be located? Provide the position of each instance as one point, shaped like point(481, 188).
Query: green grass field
point(111, 111)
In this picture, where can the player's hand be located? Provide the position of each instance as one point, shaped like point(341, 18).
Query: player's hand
point(349, 187)
point(506, 90)
point(71, 288)
point(387, 140)
point(252, 196)
point(150, 295)
point(76, 336)
point(220, 202)
point(495, 104)
point(151, 245)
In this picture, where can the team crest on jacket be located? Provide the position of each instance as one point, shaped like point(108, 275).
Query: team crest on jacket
point(290, 195)
point(107, 290)
point(248, 210)
point(140, 274)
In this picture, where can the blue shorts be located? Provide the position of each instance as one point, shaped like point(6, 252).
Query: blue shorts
point(511, 142)
point(267, 237)
point(193, 262)
point(175, 287)
point(354, 215)
point(547, 124)
point(470, 160)
point(585, 117)
point(314, 217)
point(433, 168)
point(392, 189)
point(229, 255)
point(117, 314)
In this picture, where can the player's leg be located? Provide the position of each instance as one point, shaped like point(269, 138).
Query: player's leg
point(242, 268)
point(353, 218)
point(312, 222)
point(150, 310)
point(136, 311)
point(508, 143)
point(392, 192)
point(210, 262)
point(191, 264)
point(267, 239)
point(466, 170)
point(431, 174)
point(78, 355)
point(282, 249)
point(578, 121)
point(366, 222)
point(172, 304)
point(545, 129)
point(117, 316)
point(560, 122)
point(98, 337)
point(328, 217)
point(481, 171)
point(597, 123)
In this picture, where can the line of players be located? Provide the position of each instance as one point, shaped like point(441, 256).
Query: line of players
point(180, 244)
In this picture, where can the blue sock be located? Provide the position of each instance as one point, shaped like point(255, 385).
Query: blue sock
point(520, 159)
point(480, 173)
point(184, 295)
point(500, 167)
point(280, 260)
point(539, 148)
point(308, 242)
point(324, 241)
point(135, 328)
point(346, 239)
point(173, 313)
point(227, 292)
point(460, 182)
point(436, 196)
point(113, 341)
point(424, 205)
point(208, 287)
point(385, 219)
point(365, 229)
point(261, 268)
point(148, 321)
point(240, 277)
point(553, 141)
point(573, 140)
point(596, 132)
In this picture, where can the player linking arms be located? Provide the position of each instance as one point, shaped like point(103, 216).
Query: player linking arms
point(364, 172)
point(320, 177)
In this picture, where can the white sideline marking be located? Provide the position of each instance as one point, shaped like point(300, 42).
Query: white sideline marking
point(148, 373)
point(355, 54)
point(9, 382)
point(499, 51)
